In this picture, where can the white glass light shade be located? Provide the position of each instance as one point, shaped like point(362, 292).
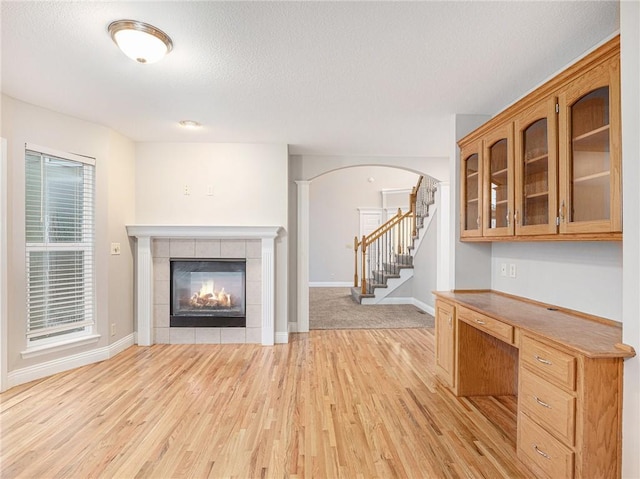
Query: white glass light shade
point(190, 124)
point(139, 41)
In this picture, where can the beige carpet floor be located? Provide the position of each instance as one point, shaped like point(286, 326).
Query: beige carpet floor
point(333, 308)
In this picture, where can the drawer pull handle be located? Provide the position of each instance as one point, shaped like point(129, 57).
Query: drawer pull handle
point(542, 360)
point(480, 322)
point(542, 403)
point(542, 453)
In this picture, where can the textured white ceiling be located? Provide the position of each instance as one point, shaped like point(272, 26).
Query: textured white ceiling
point(352, 78)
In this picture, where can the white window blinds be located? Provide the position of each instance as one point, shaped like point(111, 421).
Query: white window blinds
point(59, 217)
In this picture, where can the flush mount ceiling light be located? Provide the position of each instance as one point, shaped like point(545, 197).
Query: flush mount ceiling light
point(140, 41)
point(191, 124)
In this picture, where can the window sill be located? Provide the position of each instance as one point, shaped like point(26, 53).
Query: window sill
point(58, 346)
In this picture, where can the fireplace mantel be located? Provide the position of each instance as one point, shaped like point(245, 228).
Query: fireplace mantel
point(202, 231)
point(144, 268)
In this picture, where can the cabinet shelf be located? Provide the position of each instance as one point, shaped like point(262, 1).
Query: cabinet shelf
point(594, 176)
point(536, 168)
point(472, 175)
point(499, 173)
point(501, 202)
point(537, 158)
point(537, 195)
point(594, 140)
point(472, 200)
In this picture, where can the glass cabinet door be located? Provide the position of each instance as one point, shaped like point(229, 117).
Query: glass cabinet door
point(471, 191)
point(590, 124)
point(498, 183)
point(536, 166)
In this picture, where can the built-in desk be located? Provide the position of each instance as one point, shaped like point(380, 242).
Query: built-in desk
point(564, 366)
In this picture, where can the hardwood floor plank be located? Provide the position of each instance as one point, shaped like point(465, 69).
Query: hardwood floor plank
point(330, 404)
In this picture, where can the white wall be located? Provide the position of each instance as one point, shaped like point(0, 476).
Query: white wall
point(24, 123)
point(630, 79)
point(121, 212)
point(334, 199)
point(3, 264)
point(585, 276)
point(249, 186)
point(425, 262)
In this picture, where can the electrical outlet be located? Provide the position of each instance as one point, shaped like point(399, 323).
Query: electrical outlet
point(187, 192)
point(113, 329)
point(503, 269)
point(115, 248)
point(209, 190)
point(512, 270)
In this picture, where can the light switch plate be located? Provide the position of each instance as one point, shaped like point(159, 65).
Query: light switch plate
point(115, 248)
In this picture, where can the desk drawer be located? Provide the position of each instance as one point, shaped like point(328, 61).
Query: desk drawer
point(550, 406)
point(489, 325)
point(542, 452)
point(548, 362)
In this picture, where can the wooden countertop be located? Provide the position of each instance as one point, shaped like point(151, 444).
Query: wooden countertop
point(586, 334)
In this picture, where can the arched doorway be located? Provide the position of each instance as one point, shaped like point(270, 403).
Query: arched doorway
point(304, 228)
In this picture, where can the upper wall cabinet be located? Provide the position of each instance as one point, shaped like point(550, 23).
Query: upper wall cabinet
point(498, 181)
point(590, 160)
point(536, 163)
point(550, 165)
point(471, 191)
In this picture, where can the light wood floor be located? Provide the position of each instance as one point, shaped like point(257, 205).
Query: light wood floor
point(331, 404)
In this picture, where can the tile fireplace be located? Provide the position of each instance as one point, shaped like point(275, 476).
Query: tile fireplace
point(156, 245)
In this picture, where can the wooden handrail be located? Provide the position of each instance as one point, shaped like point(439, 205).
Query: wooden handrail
point(385, 228)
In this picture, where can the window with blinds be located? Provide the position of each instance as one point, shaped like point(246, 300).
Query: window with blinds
point(59, 216)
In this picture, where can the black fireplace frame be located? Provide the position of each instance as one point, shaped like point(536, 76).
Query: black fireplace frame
point(232, 320)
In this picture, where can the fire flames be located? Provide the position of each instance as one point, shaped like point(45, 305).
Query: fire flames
point(207, 296)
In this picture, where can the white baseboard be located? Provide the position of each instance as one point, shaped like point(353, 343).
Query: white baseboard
point(417, 303)
point(282, 338)
point(424, 307)
point(121, 344)
point(293, 328)
point(39, 371)
point(331, 284)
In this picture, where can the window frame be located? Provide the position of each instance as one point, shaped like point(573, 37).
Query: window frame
point(87, 245)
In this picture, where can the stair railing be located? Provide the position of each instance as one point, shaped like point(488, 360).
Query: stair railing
point(387, 249)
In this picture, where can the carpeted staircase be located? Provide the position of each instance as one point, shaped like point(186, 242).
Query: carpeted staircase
point(393, 274)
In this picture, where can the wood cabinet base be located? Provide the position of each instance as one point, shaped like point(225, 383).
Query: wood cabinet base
point(564, 367)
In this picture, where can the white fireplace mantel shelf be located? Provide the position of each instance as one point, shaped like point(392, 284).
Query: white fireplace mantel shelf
point(144, 268)
point(202, 231)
